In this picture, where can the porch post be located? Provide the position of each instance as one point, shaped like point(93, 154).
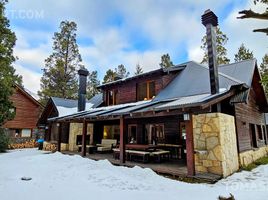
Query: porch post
point(59, 138)
point(190, 147)
point(122, 141)
point(84, 135)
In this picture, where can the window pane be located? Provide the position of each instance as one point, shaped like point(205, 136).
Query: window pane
point(115, 97)
point(141, 91)
point(110, 97)
point(26, 133)
point(151, 89)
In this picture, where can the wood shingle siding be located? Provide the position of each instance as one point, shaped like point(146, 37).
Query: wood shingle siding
point(245, 115)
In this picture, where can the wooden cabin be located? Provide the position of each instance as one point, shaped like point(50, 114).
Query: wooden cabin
point(208, 118)
point(28, 111)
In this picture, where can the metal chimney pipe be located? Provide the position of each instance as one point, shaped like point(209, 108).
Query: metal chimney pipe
point(210, 21)
point(83, 73)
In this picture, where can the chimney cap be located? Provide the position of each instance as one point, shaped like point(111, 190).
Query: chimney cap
point(209, 18)
point(83, 71)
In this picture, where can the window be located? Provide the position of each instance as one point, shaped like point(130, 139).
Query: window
point(157, 133)
point(26, 132)
point(111, 132)
point(145, 91)
point(253, 135)
point(260, 136)
point(112, 97)
point(132, 134)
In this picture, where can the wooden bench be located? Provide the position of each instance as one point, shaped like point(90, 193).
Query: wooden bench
point(138, 155)
point(116, 153)
point(160, 155)
point(132, 155)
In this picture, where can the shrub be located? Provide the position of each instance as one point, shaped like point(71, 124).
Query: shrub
point(4, 140)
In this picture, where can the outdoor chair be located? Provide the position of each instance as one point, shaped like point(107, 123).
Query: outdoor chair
point(106, 145)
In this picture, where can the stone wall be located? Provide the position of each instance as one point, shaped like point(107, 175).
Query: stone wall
point(250, 156)
point(215, 144)
point(77, 129)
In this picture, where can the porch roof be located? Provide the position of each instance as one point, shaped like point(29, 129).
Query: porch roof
point(144, 106)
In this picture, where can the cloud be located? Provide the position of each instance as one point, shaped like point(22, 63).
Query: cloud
point(129, 32)
point(31, 80)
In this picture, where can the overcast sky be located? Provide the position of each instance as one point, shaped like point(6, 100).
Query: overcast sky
point(127, 32)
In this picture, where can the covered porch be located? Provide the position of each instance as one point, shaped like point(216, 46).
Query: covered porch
point(155, 126)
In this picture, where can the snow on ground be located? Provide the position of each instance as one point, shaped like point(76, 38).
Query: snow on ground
point(71, 177)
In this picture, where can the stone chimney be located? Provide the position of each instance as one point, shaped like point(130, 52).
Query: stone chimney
point(210, 21)
point(83, 73)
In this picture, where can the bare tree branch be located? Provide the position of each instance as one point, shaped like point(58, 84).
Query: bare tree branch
point(263, 30)
point(252, 14)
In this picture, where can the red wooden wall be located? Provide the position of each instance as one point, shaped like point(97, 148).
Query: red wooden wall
point(27, 111)
point(127, 91)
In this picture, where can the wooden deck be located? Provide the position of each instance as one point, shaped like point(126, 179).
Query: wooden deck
point(172, 167)
point(176, 169)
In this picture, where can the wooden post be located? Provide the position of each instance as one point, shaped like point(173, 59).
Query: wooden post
point(190, 147)
point(59, 138)
point(84, 135)
point(122, 141)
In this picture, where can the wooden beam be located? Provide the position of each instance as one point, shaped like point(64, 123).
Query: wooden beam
point(122, 141)
point(190, 147)
point(59, 134)
point(84, 135)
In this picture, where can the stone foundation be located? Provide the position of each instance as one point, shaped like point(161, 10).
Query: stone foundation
point(250, 156)
point(215, 144)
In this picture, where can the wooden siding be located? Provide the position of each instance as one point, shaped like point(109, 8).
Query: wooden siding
point(27, 111)
point(127, 91)
point(245, 115)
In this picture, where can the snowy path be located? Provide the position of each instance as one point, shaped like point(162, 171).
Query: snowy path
point(72, 177)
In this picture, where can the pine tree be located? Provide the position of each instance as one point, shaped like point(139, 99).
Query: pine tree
point(121, 71)
point(138, 70)
point(166, 61)
point(264, 72)
point(243, 54)
point(7, 72)
point(264, 64)
point(60, 72)
point(92, 84)
point(109, 76)
point(221, 40)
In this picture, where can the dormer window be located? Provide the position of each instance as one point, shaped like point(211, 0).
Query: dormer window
point(145, 90)
point(111, 97)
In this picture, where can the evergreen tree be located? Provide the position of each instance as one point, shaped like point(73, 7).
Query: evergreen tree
point(92, 84)
point(166, 61)
point(138, 70)
point(243, 54)
point(264, 64)
point(7, 73)
point(264, 72)
point(246, 14)
point(121, 71)
point(109, 76)
point(60, 72)
point(221, 40)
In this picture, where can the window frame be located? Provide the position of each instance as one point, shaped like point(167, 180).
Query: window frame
point(114, 93)
point(130, 134)
point(147, 97)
